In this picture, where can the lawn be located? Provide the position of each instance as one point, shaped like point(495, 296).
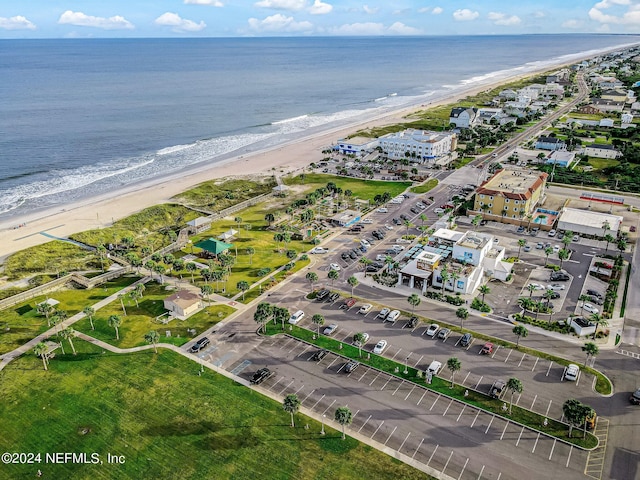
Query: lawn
point(140, 319)
point(425, 187)
point(600, 163)
point(168, 422)
point(362, 189)
point(219, 194)
point(23, 320)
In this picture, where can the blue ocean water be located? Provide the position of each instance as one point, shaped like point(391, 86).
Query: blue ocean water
point(83, 117)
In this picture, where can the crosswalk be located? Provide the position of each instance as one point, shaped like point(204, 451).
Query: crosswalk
point(595, 460)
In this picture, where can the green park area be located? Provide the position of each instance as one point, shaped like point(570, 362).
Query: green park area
point(168, 421)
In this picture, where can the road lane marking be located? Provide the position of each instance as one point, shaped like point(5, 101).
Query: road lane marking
point(418, 361)
point(536, 363)
point(396, 390)
point(534, 401)
point(519, 436)
point(479, 380)
point(315, 404)
point(506, 359)
point(569, 457)
point(434, 402)
point(365, 372)
point(448, 460)
point(417, 448)
point(432, 454)
point(405, 439)
point(447, 409)
point(425, 392)
point(394, 357)
point(480, 474)
point(304, 351)
point(376, 377)
point(494, 353)
point(474, 420)
point(394, 431)
point(281, 391)
point(325, 410)
point(465, 378)
point(275, 383)
point(365, 422)
point(377, 429)
point(489, 426)
point(549, 369)
point(334, 361)
point(386, 383)
point(305, 398)
point(548, 407)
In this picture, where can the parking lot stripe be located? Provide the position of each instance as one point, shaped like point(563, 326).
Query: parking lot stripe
point(305, 350)
point(519, 397)
point(448, 460)
point(296, 392)
point(396, 390)
point(489, 426)
point(275, 383)
point(523, 355)
point(548, 407)
point(520, 436)
point(447, 409)
point(286, 387)
point(410, 392)
point(394, 357)
point(549, 369)
point(425, 392)
point(479, 380)
point(463, 468)
point(533, 450)
point(417, 448)
point(377, 429)
point(403, 442)
point(461, 412)
point(569, 457)
point(434, 402)
point(496, 351)
point(534, 401)
point(287, 343)
point(419, 360)
point(325, 410)
point(385, 384)
point(334, 361)
point(365, 422)
point(552, 447)
point(465, 378)
point(505, 429)
point(432, 454)
point(314, 405)
point(365, 372)
point(394, 431)
point(535, 363)
point(374, 379)
point(476, 418)
point(480, 474)
point(505, 360)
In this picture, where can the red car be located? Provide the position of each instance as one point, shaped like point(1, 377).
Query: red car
point(487, 348)
point(350, 302)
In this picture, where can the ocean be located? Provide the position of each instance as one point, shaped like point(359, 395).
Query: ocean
point(83, 117)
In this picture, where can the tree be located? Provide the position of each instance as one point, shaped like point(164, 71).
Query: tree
point(547, 251)
point(152, 337)
point(102, 253)
point(462, 313)
point(531, 288)
point(573, 412)
point(609, 239)
point(353, 281)
point(605, 227)
point(121, 297)
point(453, 365)
point(343, 416)
point(41, 351)
point(591, 349)
point(414, 300)
point(318, 320)
point(484, 290)
point(358, 339)
point(114, 322)
point(444, 276)
point(206, 291)
point(191, 267)
point(513, 385)
point(521, 332)
point(89, 312)
point(333, 276)
point(68, 334)
point(159, 269)
point(291, 404)
point(476, 221)
point(599, 320)
point(270, 217)
point(408, 225)
point(563, 254)
point(312, 277)
point(243, 286)
point(250, 251)
point(45, 309)
point(262, 314)
point(365, 262)
point(280, 314)
point(521, 243)
point(622, 244)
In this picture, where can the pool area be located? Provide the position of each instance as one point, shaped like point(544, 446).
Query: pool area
point(544, 217)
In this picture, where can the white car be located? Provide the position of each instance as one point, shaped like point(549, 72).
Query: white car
point(432, 329)
point(331, 329)
point(334, 266)
point(397, 248)
point(365, 339)
point(556, 248)
point(380, 258)
point(536, 286)
point(320, 250)
point(365, 308)
point(364, 243)
point(421, 206)
point(366, 221)
point(383, 210)
point(587, 307)
point(438, 211)
point(380, 346)
point(571, 373)
point(389, 227)
point(552, 233)
point(555, 286)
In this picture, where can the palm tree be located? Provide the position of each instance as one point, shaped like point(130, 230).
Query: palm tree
point(45, 309)
point(343, 416)
point(423, 218)
point(609, 239)
point(525, 303)
point(563, 254)
point(291, 404)
point(280, 314)
point(263, 312)
point(521, 243)
point(414, 300)
point(547, 251)
point(365, 262)
point(453, 365)
point(312, 277)
point(605, 227)
point(250, 251)
point(484, 290)
point(567, 238)
point(622, 245)
point(269, 217)
point(591, 349)
point(115, 321)
point(121, 297)
point(89, 311)
point(333, 276)
point(476, 221)
point(462, 313)
point(388, 260)
point(407, 224)
point(68, 334)
point(152, 337)
point(353, 281)
point(318, 320)
point(572, 410)
point(599, 320)
point(102, 252)
point(531, 288)
point(514, 385)
point(206, 291)
point(191, 267)
point(521, 332)
point(358, 338)
point(243, 286)
point(444, 275)
point(548, 295)
point(41, 351)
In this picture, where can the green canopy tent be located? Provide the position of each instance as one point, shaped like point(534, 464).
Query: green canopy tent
point(214, 247)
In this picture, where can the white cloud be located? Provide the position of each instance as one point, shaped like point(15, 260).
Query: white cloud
point(464, 15)
point(320, 8)
point(169, 19)
point(282, 4)
point(16, 23)
point(503, 19)
point(279, 23)
point(366, 28)
point(571, 24)
point(210, 3)
point(539, 14)
point(630, 17)
point(80, 19)
point(400, 28)
point(437, 11)
point(370, 10)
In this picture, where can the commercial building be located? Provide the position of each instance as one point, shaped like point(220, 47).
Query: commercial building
point(419, 145)
point(587, 222)
point(550, 143)
point(561, 158)
point(601, 150)
point(510, 195)
point(356, 145)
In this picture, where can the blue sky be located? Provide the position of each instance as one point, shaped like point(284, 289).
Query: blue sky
point(231, 18)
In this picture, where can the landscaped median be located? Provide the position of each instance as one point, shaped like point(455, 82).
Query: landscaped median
point(442, 386)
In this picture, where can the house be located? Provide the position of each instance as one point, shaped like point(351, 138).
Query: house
point(582, 326)
point(615, 95)
point(356, 145)
point(550, 143)
point(213, 246)
point(561, 158)
point(590, 109)
point(485, 115)
point(421, 145)
point(601, 150)
point(199, 225)
point(626, 118)
point(510, 194)
point(604, 105)
point(606, 122)
point(463, 117)
point(183, 304)
point(508, 94)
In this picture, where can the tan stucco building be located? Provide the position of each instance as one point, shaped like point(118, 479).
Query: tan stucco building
point(183, 303)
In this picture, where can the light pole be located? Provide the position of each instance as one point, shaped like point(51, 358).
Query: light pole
point(323, 417)
point(406, 361)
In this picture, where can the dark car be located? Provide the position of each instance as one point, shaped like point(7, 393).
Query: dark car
point(377, 264)
point(357, 252)
point(362, 248)
point(414, 210)
point(353, 255)
point(466, 340)
point(396, 221)
point(199, 345)
point(520, 230)
point(381, 232)
point(345, 256)
point(594, 293)
point(371, 269)
point(319, 355)
point(594, 299)
point(635, 397)
point(413, 322)
point(553, 295)
point(498, 388)
point(559, 277)
point(322, 294)
point(483, 223)
point(260, 376)
point(404, 217)
point(377, 235)
point(351, 366)
point(334, 296)
point(391, 252)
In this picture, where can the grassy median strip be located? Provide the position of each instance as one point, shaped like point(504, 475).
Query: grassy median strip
point(496, 406)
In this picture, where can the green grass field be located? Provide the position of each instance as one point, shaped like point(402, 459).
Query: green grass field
point(219, 194)
point(362, 189)
point(600, 163)
point(425, 187)
point(168, 422)
point(23, 320)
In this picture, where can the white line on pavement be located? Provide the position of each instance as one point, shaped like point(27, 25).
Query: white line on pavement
point(383, 387)
point(410, 392)
point(310, 393)
point(552, 447)
point(325, 410)
point(535, 444)
point(505, 429)
point(447, 409)
point(569, 457)
point(476, 418)
point(520, 362)
point(365, 422)
point(315, 404)
point(416, 450)
point(377, 429)
point(403, 442)
point(461, 412)
point(534, 401)
point(394, 430)
point(463, 468)
point(519, 436)
point(488, 426)
point(432, 454)
point(448, 460)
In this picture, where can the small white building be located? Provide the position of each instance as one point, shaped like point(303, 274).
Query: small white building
point(199, 225)
point(356, 145)
point(183, 304)
point(561, 158)
point(422, 145)
point(587, 222)
point(601, 150)
point(463, 117)
point(626, 118)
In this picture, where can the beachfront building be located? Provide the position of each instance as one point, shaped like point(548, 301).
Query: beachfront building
point(183, 304)
point(550, 143)
point(588, 222)
point(358, 146)
point(346, 218)
point(463, 117)
point(510, 195)
point(601, 150)
point(420, 145)
point(561, 158)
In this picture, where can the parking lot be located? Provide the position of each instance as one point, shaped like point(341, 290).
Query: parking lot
point(435, 430)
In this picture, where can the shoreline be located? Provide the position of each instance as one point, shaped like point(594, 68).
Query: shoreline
point(292, 155)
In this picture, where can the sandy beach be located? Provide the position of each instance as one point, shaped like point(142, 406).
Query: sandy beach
point(101, 211)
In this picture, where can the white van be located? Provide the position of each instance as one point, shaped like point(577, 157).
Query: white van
point(434, 367)
point(296, 317)
point(393, 316)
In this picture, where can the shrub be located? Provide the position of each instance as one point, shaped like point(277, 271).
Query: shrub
point(454, 300)
point(478, 304)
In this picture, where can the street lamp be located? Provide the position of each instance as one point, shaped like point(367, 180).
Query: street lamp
point(406, 361)
point(323, 417)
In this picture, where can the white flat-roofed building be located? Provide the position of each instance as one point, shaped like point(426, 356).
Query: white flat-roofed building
point(561, 158)
point(447, 236)
point(588, 222)
point(356, 145)
point(472, 248)
point(422, 145)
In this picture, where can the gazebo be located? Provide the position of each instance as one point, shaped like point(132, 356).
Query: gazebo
point(229, 234)
point(213, 246)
